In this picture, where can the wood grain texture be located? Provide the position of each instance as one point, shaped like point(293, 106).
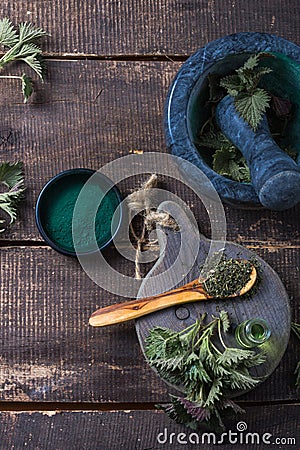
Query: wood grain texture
point(139, 430)
point(158, 27)
point(50, 353)
point(66, 126)
point(110, 65)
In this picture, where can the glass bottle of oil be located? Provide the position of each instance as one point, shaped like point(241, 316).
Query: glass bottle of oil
point(252, 332)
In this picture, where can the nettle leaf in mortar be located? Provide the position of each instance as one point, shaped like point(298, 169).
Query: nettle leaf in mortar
point(22, 46)
point(252, 106)
point(228, 162)
point(252, 102)
point(197, 361)
point(227, 159)
point(11, 177)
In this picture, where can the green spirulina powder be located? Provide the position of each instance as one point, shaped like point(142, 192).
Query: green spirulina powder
point(60, 223)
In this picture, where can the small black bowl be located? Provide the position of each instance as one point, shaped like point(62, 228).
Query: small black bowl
point(79, 212)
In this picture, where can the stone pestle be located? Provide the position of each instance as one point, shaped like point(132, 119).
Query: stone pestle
point(275, 176)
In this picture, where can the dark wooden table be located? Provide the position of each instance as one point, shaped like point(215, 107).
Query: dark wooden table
point(65, 385)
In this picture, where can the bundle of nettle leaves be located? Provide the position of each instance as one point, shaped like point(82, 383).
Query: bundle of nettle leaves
point(197, 361)
point(252, 102)
point(18, 45)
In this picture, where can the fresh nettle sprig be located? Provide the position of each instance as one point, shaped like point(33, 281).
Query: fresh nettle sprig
point(11, 177)
point(22, 46)
point(249, 99)
point(296, 329)
point(205, 371)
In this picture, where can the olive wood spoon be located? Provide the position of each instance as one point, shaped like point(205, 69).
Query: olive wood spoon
point(190, 292)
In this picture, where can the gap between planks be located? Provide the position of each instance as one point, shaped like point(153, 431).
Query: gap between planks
point(251, 245)
point(111, 407)
point(94, 57)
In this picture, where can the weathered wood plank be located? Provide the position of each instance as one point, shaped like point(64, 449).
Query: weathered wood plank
point(160, 27)
point(141, 430)
point(66, 126)
point(50, 353)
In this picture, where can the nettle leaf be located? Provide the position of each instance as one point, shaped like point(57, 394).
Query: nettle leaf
point(240, 380)
point(189, 336)
point(259, 72)
point(197, 412)
point(249, 100)
point(251, 63)
point(220, 371)
point(8, 35)
point(178, 412)
point(197, 373)
point(11, 176)
point(255, 360)
point(233, 355)
point(232, 84)
point(22, 48)
point(224, 320)
point(29, 33)
point(162, 343)
point(252, 106)
point(8, 205)
point(243, 173)
point(27, 87)
point(216, 140)
point(215, 392)
point(238, 170)
point(30, 49)
point(170, 364)
point(35, 64)
point(227, 161)
point(221, 160)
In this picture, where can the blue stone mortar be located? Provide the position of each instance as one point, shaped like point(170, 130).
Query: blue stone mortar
point(186, 111)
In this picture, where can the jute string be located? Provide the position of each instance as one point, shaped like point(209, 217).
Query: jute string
point(141, 202)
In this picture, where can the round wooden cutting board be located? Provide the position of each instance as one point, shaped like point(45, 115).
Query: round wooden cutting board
point(270, 301)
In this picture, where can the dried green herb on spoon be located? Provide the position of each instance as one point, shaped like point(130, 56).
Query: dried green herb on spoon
point(206, 371)
point(230, 275)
